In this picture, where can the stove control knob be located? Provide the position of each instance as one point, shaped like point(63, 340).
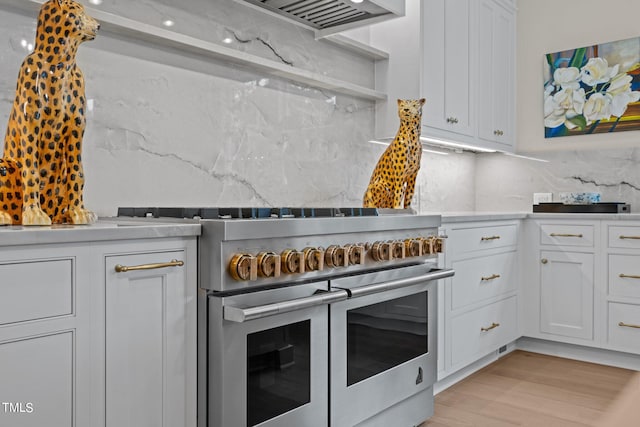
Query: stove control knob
point(428, 245)
point(243, 267)
point(413, 247)
point(268, 264)
point(381, 251)
point(334, 256)
point(292, 261)
point(354, 254)
point(313, 259)
point(398, 250)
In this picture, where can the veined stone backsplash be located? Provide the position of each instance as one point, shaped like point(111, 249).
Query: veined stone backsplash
point(508, 183)
point(165, 128)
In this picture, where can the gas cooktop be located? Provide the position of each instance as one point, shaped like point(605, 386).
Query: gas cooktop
point(243, 213)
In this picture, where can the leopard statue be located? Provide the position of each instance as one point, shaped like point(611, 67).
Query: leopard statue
point(41, 174)
point(394, 178)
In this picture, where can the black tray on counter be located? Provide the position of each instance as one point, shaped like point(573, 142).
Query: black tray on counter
point(605, 207)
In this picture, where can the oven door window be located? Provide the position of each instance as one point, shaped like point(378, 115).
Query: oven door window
point(384, 335)
point(278, 371)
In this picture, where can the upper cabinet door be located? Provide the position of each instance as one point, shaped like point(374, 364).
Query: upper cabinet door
point(447, 63)
point(496, 71)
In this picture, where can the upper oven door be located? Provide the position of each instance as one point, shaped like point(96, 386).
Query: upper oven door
point(267, 357)
point(383, 341)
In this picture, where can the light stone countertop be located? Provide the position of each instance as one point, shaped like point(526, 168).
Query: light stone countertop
point(455, 217)
point(104, 229)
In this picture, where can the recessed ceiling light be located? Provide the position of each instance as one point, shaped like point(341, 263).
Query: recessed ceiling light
point(168, 23)
point(356, 1)
point(227, 40)
point(96, 2)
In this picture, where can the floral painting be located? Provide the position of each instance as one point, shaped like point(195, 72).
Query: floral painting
point(593, 89)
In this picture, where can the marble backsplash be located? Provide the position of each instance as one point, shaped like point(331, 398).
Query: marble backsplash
point(507, 183)
point(166, 128)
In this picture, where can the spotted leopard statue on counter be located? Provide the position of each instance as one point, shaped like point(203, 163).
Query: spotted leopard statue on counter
point(394, 178)
point(41, 175)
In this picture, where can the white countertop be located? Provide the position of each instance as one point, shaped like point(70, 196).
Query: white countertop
point(454, 217)
point(103, 229)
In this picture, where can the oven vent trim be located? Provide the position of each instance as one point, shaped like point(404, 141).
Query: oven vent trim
point(327, 17)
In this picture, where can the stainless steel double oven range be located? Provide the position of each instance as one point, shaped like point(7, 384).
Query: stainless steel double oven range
point(316, 317)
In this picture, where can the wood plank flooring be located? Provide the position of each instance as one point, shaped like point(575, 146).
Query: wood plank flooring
point(529, 389)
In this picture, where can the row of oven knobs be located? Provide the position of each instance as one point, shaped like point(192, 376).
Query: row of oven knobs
point(270, 264)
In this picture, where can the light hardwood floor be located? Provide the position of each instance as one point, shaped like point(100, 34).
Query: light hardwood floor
point(528, 389)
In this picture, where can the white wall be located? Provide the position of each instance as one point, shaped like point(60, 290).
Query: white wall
point(546, 26)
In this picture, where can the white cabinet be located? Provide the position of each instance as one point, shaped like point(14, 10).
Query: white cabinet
point(463, 63)
point(566, 293)
point(563, 295)
point(479, 307)
point(448, 56)
point(622, 297)
point(149, 314)
point(496, 75)
point(83, 345)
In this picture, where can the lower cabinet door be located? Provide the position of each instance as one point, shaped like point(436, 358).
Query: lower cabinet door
point(481, 331)
point(36, 381)
point(146, 340)
point(566, 294)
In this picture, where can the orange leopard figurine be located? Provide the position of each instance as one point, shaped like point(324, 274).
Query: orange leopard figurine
point(41, 175)
point(394, 178)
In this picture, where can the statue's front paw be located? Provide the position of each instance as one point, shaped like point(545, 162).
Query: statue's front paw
point(5, 219)
point(81, 216)
point(33, 215)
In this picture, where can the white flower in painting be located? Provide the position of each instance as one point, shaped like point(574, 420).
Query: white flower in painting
point(621, 95)
point(563, 106)
point(567, 78)
point(597, 107)
point(597, 71)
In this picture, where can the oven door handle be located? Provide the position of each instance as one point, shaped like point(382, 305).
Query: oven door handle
point(400, 283)
point(239, 315)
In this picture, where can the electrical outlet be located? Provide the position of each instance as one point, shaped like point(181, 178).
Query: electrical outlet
point(542, 198)
point(502, 349)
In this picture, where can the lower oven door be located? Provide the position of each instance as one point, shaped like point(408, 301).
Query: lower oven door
point(267, 357)
point(383, 348)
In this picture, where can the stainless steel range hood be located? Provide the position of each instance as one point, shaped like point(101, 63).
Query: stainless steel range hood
point(327, 17)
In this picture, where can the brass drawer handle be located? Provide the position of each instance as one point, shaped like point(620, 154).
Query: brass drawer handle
point(489, 238)
point(564, 235)
point(629, 276)
point(630, 237)
point(493, 276)
point(628, 325)
point(125, 268)
point(487, 329)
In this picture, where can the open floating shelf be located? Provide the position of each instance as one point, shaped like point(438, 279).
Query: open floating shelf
point(136, 30)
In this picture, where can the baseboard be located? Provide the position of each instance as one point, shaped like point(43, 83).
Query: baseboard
point(463, 373)
point(551, 348)
point(577, 352)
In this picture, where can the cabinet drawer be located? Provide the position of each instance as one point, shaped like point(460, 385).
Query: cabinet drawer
point(624, 326)
point(624, 275)
point(466, 240)
point(567, 235)
point(35, 290)
point(623, 237)
point(477, 333)
point(478, 279)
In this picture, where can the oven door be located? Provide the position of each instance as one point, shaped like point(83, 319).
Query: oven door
point(267, 357)
point(383, 347)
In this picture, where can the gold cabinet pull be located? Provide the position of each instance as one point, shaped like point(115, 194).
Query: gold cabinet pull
point(487, 329)
point(628, 325)
point(493, 276)
point(564, 235)
point(484, 239)
point(629, 276)
point(630, 237)
point(125, 268)
point(544, 260)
